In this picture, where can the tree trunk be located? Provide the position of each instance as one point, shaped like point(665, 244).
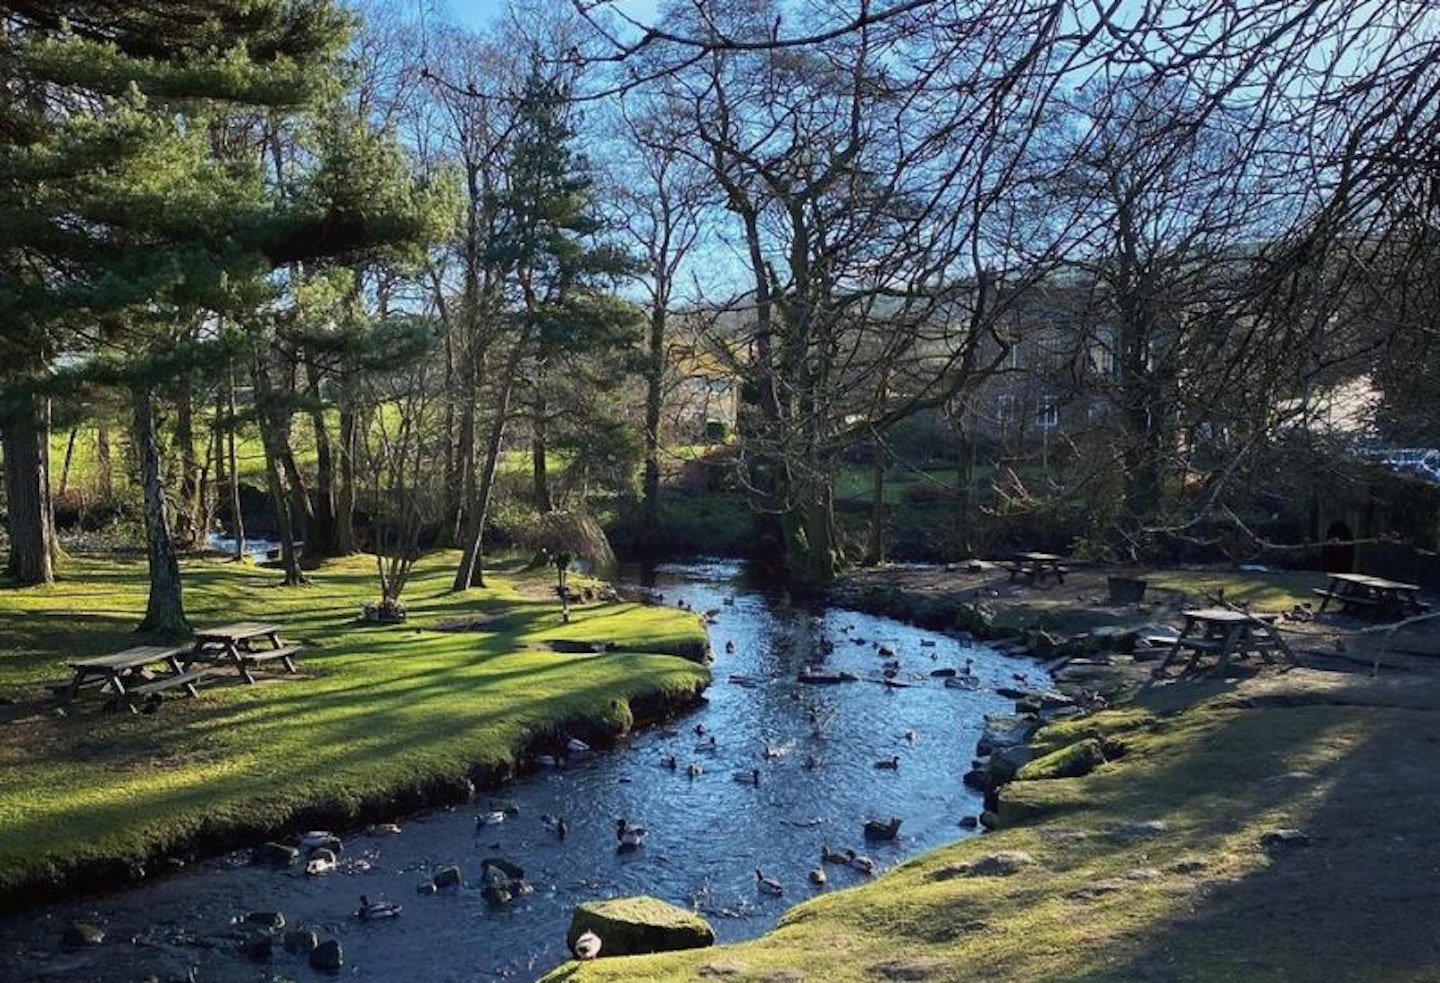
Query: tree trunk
point(538, 451)
point(69, 455)
point(165, 609)
point(27, 491)
point(187, 518)
point(654, 378)
point(320, 538)
point(104, 465)
point(345, 498)
point(236, 519)
point(472, 570)
point(273, 431)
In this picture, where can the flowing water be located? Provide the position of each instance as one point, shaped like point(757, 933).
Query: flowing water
point(814, 748)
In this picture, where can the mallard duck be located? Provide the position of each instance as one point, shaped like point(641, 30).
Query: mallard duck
point(751, 777)
point(493, 818)
point(587, 946)
point(555, 824)
point(373, 910)
point(927, 643)
point(891, 763)
point(629, 836)
point(768, 884)
point(911, 737)
point(818, 876)
point(729, 647)
point(829, 856)
point(322, 861)
point(694, 770)
point(668, 762)
point(386, 829)
point(860, 862)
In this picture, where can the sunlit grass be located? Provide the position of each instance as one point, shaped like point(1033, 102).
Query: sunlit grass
point(378, 709)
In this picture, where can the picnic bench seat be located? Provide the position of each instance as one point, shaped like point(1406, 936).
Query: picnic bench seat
point(1344, 599)
point(285, 653)
point(186, 679)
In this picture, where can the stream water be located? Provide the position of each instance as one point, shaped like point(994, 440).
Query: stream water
point(815, 748)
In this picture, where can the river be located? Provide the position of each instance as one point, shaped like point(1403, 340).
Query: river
point(815, 749)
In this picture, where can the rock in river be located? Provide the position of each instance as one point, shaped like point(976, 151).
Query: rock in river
point(78, 935)
point(632, 926)
point(327, 956)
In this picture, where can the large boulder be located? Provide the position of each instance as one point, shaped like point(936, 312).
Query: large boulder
point(1073, 761)
point(633, 926)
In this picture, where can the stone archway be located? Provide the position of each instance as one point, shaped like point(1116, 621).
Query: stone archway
point(1338, 553)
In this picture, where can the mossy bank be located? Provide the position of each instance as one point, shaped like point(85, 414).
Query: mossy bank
point(382, 719)
point(1274, 828)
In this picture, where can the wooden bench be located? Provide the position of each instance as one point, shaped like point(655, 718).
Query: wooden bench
point(187, 679)
point(285, 654)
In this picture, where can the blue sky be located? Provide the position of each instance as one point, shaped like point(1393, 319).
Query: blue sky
point(478, 12)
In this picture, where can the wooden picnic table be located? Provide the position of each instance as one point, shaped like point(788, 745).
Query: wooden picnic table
point(1357, 592)
point(244, 645)
point(1226, 634)
point(1037, 566)
point(127, 676)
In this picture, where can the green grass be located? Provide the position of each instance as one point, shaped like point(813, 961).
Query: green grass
point(1155, 866)
point(379, 710)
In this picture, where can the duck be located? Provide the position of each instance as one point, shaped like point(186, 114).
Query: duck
point(876, 829)
point(709, 744)
point(386, 829)
point(629, 836)
point(927, 643)
point(576, 746)
point(911, 737)
point(769, 885)
point(546, 761)
point(962, 682)
point(728, 601)
point(315, 839)
point(555, 824)
point(694, 770)
point(860, 862)
point(829, 856)
point(587, 946)
point(818, 876)
point(668, 762)
point(891, 763)
point(322, 861)
point(370, 911)
point(492, 818)
point(751, 777)
point(729, 647)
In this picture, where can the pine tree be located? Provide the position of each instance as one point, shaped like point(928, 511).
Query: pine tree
point(117, 205)
point(557, 274)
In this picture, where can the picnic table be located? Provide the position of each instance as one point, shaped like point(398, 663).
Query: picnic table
point(1227, 634)
point(1357, 592)
point(244, 645)
point(1037, 566)
point(136, 673)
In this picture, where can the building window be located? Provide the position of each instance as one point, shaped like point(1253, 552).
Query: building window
point(1004, 408)
point(1048, 417)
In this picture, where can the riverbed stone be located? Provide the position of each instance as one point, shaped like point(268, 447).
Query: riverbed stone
point(448, 876)
point(80, 935)
point(632, 926)
point(272, 920)
point(328, 956)
point(259, 944)
point(1007, 761)
point(301, 940)
point(511, 870)
point(1002, 731)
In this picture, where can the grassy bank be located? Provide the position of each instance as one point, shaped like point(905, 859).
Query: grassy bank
point(381, 715)
point(1161, 865)
point(1168, 862)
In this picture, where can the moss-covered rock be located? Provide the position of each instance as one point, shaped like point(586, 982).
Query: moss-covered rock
point(1071, 761)
point(633, 926)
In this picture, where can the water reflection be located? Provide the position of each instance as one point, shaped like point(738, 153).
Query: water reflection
point(814, 749)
